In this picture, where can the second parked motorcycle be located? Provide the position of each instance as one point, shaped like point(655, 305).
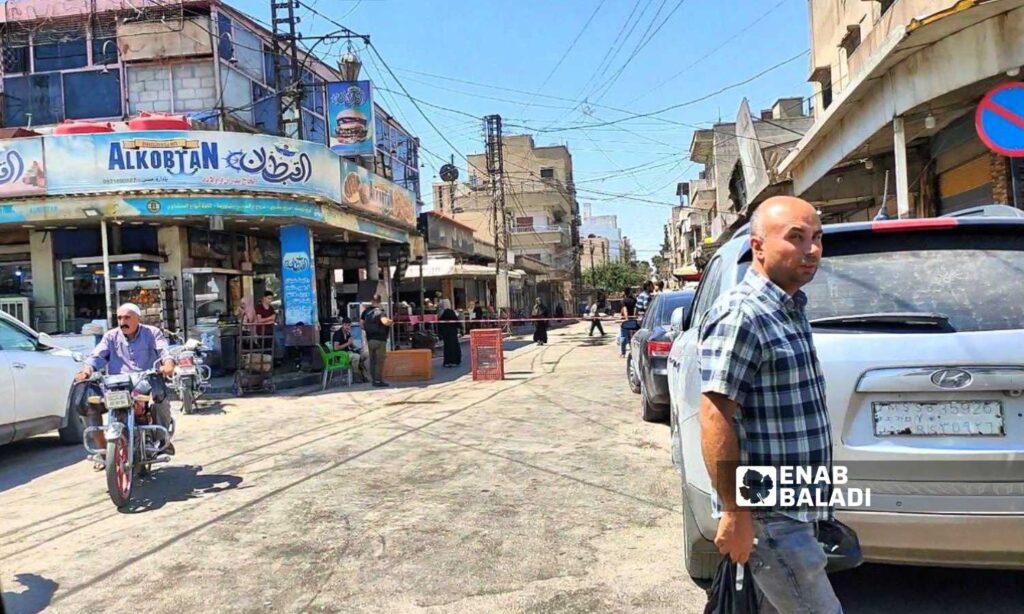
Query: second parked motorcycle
point(191, 376)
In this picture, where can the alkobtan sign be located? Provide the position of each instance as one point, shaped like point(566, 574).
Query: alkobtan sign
point(117, 162)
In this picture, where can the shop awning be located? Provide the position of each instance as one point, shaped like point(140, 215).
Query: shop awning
point(890, 83)
point(448, 267)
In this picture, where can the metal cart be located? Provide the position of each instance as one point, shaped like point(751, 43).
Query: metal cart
point(255, 359)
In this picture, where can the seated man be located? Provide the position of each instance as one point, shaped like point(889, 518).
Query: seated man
point(342, 340)
point(132, 347)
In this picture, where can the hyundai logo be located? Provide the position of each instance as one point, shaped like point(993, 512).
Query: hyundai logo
point(952, 378)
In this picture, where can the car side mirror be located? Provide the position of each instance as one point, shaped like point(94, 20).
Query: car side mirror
point(677, 320)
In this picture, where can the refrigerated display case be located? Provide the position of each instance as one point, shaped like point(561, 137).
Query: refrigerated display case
point(211, 299)
point(147, 294)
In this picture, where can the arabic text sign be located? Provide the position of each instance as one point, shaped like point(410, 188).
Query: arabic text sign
point(362, 189)
point(350, 122)
point(298, 281)
point(156, 160)
point(22, 170)
point(224, 205)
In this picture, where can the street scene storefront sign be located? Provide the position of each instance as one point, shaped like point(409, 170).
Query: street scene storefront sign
point(22, 168)
point(154, 160)
point(362, 189)
point(298, 282)
point(350, 118)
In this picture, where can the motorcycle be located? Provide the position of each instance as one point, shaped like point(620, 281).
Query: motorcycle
point(134, 442)
point(191, 376)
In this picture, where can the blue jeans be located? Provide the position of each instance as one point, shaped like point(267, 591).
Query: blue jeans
point(789, 567)
point(625, 335)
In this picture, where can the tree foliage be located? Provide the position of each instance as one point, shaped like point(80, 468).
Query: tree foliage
point(615, 276)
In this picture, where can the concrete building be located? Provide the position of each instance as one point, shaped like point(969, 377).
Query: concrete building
point(194, 211)
point(740, 162)
point(897, 85)
point(606, 226)
point(595, 252)
point(543, 213)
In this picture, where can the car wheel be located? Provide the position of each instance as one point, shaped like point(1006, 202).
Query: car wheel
point(631, 375)
point(700, 557)
point(649, 412)
point(72, 433)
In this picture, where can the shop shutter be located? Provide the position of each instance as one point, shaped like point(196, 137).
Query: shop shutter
point(966, 185)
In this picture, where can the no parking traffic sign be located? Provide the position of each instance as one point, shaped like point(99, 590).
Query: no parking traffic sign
point(1000, 119)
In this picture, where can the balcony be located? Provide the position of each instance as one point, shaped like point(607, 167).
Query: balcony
point(536, 234)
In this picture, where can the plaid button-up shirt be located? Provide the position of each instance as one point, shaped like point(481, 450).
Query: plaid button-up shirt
point(756, 349)
point(643, 301)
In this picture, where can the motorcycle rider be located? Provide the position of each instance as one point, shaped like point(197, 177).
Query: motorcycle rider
point(132, 347)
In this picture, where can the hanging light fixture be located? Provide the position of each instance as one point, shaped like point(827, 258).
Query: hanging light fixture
point(349, 64)
point(929, 122)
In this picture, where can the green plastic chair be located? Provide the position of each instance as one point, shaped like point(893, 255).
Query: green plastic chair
point(334, 360)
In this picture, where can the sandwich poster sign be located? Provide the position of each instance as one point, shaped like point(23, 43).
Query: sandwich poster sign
point(350, 118)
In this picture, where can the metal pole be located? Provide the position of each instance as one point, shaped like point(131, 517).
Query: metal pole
point(106, 273)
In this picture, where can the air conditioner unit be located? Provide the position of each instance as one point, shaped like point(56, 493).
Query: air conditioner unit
point(18, 307)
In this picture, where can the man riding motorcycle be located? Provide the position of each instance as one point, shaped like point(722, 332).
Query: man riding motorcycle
point(132, 347)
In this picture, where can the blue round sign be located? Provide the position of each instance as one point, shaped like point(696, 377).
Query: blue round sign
point(1000, 120)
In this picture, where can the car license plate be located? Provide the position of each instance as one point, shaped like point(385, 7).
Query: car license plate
point(117, 399)
point(939, 418)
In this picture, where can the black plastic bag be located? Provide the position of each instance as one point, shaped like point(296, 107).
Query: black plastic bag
point(725, 598)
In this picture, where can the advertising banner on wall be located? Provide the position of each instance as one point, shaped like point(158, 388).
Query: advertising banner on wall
point(298, 281)
point(22, 169)
point(362, 189)
point(155, 160)
point(350, 127)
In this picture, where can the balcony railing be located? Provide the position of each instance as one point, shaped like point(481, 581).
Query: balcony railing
point(531, 228)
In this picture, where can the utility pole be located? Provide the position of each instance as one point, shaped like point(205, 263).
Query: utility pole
point(496, 174)
point(287, 79)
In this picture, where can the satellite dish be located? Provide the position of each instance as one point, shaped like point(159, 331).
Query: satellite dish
point(449, 173)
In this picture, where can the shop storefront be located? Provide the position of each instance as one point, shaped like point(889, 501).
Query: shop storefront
point(187, 225)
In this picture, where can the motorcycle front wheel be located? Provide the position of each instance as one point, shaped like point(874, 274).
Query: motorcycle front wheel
point(119, 475)
point(188, 399)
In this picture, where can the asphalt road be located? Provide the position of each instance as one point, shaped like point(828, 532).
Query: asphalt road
point(541, 493)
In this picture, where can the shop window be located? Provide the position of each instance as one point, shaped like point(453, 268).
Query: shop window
point(313, 128)
point(104, 51)
point(92, 94)
point(16, 278)
point(224, 46)
point(15, 60)
point(60, 55)
point(264, 109)
point(33, 100)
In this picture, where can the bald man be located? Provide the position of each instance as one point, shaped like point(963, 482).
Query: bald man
point(130, 348)
point(763, 403)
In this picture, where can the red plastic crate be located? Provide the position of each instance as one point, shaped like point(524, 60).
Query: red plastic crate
point(487, 356)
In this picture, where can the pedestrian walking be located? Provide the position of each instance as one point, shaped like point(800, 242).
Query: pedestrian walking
point(763, 403)
point(643, 300)
point(630, 324)
point(376, 329)
point(595, 318)
point(449, 327)
point(540, 326)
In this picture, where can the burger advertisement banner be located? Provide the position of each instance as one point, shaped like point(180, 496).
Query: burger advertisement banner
point(350, 118)
point(362, 189)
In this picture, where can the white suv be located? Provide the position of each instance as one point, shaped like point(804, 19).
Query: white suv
point(35, 385)
point(919, 327)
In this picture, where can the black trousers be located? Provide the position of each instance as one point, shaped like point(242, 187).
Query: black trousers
point(595, 323)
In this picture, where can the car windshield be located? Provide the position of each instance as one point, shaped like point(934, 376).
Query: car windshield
point(671, 303)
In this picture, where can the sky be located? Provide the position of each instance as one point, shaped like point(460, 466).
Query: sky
point(554, 68)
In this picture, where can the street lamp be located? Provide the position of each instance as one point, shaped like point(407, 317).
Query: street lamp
point(349, 64)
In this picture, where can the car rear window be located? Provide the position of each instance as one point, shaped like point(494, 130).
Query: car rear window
point(670, 302)
point(974, 278)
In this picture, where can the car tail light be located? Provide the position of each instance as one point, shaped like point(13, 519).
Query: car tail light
point(930, 223)
point(659, 349)
point(185, 361)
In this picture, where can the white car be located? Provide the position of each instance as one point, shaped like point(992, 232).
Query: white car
point(35, 385)
point(919, 328)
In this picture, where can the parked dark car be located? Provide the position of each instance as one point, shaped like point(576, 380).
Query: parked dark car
point(646, 362)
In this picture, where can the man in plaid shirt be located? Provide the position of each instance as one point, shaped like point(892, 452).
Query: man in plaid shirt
point(643, 300)
point(763, 403)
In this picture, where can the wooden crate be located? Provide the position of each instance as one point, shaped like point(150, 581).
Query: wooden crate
point(408, 365)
